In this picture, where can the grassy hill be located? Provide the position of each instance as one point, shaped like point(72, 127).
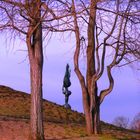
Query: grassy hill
point(60, 123)
point(17, 104)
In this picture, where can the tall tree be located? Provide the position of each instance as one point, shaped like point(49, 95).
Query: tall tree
point(24, 17)
point(27, 19)
point(110, 31)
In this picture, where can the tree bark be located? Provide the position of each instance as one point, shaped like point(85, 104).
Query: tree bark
point(91, 70)
point(36, 101)
point(92, 117)
point(86, 107)
point(36, 66)
point(96, 118)
point(35, 49)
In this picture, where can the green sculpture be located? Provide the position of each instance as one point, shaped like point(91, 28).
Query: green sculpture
point(66, 85)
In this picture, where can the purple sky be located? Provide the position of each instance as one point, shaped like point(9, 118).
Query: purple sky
point(14, 72)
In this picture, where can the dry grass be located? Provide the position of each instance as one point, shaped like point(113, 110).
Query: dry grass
point(17, 104)
point(59, 123)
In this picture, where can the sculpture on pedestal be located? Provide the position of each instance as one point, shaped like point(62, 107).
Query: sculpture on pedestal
point(66, 85)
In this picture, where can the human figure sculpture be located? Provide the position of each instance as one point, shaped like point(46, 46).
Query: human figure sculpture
point(66, 85)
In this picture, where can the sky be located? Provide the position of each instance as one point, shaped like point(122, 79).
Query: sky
point(124, 100)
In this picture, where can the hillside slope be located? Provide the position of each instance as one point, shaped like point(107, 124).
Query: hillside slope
point(17, 104)
point(60, 123)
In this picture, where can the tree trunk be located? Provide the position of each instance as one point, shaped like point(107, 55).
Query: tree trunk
point(94, 110)
point(36, 117)
point(96, 120)
point(89, 88)
point(36, 66)
point(92, 117)
point(35, 50)
point(88, 116)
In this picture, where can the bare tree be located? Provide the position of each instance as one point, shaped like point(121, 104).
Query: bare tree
point(109, 34)
point(121, 121)
point(24, 17)
point(27, 19)
point(135, 124)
